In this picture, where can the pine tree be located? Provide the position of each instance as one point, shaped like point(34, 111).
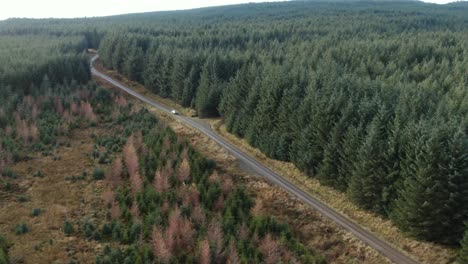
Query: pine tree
point(348, 155)
point(233, 97)
point(163, 74)
point(287, 109)
point(151, 72)
point(419, 208)
point(118, 56)
point(455, 170)
point(368, 177)
point(190, 86)
point(178, 76)
point(393, 155)
point(328, 171)
point(133, 63)
point(244, 118)
point(265, 114)
point(208, 93)
point(68, 228)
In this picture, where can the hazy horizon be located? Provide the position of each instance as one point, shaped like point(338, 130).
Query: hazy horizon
point(88, 8)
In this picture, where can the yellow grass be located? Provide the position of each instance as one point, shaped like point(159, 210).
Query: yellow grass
point(59, 199)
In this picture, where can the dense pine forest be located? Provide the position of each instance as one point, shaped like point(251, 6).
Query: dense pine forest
point(163, 201)
point(368, 97)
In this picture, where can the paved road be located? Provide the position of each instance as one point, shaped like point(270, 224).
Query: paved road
point(381, 246)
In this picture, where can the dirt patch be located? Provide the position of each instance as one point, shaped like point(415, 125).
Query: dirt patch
point(58, 199)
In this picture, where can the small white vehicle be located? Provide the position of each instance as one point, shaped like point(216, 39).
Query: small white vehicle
point(174, 112)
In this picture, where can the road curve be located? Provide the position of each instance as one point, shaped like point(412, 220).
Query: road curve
point(370, 239)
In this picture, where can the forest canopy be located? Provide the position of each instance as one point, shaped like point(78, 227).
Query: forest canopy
point(369, 97)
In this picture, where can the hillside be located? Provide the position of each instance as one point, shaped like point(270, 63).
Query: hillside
point(369, 98)
point(87, 176)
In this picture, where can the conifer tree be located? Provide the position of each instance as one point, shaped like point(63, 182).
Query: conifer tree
point(133, 64)
point(368, 177)
point(208, 92)
point(421, 206)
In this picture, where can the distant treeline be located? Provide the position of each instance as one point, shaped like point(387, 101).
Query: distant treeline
point(27, 59)
point(370, 98)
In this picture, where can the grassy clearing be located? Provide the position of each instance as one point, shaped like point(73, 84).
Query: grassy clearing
point(52, 200)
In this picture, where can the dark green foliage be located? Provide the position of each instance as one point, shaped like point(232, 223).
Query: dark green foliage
point(368, 177)
point(36, 212)
point(21, 228)
point(463, 254)
point(204, 213)
point(368, 97)
point(28, 58)
point(336, 88)
point(88, 229)
point(68, 228)
point(22, 199)
point(106, 230)
point(4, 259)
point(98, 174)
point(432, 201)
point(10, 174)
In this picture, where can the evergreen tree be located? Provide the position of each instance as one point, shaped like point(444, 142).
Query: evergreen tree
point(133, 64)
point(209, 91)
point(190, 86)
point(455, 172)
point(368, 177)
point(178, 76)
point(234, 96)
point(151, 72)
point(420, 208)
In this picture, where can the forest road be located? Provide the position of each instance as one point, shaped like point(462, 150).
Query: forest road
point(367, 237)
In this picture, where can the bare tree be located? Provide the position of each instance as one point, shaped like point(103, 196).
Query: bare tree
point(204, 256)
point(160, 248)
point(115, 210)
point(108, 196)
point(270, 249)
point(183, 172)
point(233, 257)
point(114, 176)
point(160, 182)
point(215, 235)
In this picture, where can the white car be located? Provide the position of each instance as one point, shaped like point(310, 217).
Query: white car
point(174, 112)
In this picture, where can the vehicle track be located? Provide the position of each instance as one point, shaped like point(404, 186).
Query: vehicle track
point(367, 237)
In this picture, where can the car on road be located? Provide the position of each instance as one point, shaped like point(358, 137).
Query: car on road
point(174, 112)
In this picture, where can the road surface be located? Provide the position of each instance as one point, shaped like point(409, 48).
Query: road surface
point(370, 239)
